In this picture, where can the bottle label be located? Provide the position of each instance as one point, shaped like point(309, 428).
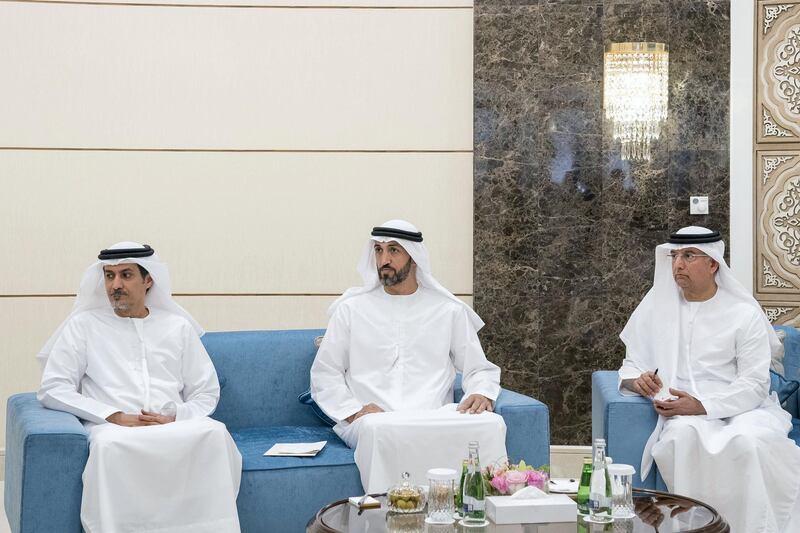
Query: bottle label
point(598, 504)
point(472, 504)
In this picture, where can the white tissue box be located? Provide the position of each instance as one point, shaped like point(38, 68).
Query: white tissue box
point(551, 508)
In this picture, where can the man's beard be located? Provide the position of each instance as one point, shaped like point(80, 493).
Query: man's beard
point(117, 304)
point(399, 275)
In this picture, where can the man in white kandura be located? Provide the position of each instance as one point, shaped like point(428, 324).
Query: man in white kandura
point(129, 362)
point(720, 437)
point(387, 365)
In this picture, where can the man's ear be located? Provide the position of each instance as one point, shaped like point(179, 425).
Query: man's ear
point(148, 281)
point(715, 264)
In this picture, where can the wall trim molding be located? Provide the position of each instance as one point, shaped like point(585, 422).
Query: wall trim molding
point(231, 5)
point(204, 294)
point(230, 150)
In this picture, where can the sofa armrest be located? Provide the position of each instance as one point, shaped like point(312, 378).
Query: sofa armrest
point(625, 422)
point(46, 453)
point(528, 427)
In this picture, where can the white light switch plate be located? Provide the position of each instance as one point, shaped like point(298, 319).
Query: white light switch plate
point(698, 205)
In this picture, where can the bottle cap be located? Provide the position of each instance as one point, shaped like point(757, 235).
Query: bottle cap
point(587, 460)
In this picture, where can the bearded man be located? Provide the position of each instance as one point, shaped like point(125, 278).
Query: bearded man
point(386, 368)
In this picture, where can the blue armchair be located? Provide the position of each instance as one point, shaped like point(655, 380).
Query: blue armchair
point(626, 422)
point(261, 374)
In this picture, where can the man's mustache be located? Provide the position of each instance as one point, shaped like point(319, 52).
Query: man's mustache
point(118, 292)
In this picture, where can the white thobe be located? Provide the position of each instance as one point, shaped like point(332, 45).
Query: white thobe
point(177, 477)
point(737, 457)
point(402, 353)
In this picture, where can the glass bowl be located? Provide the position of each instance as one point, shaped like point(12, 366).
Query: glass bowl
point(405, 497)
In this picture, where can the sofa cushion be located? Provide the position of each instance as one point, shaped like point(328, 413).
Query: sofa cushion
point(261, 373)
point(306, 399)
point(283, 498)
point(784, 387)
point(794, 434)
point(791, 347)
point(281, 494)
point(253, 442)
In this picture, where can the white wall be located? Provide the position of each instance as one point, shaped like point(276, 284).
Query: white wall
point(741, 140)
point(254, 148)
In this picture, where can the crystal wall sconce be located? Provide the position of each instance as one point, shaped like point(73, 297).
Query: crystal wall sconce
point(635, 93)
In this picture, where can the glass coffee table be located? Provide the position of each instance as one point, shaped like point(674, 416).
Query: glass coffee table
point(656, 511)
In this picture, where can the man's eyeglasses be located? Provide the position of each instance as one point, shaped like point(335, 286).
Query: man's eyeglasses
point(689, 257)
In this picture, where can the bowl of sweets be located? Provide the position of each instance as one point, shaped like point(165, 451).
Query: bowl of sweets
point(405, 497)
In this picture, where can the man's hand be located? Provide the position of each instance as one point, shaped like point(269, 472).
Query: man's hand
point(367, 409)
point(648, 384)
point(475, 404)
point(121, 419)
point(145, 419)
point(686, 404)
point(155, 419)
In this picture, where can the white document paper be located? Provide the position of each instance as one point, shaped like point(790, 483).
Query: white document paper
point(664, 395)
point(296, 449)
point(364, 502)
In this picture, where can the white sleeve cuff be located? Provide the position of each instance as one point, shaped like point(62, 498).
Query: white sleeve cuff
point(102, 416)
point(489, 391)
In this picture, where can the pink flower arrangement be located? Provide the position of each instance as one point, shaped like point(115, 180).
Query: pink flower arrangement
point(504, 478)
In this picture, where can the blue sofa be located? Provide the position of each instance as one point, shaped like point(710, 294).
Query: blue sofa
point(261, 374)
point(626, 422)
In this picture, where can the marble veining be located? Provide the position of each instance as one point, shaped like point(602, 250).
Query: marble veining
point(564, 229)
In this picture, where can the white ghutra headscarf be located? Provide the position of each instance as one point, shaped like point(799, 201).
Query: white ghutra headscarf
point(92, 291)
point(418, 252)
point(652, 333)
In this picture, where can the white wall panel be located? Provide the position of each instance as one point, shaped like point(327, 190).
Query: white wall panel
point(294, 4)
point(117, 76)
point(228, 223)
point(25, 325)
point(294, 130)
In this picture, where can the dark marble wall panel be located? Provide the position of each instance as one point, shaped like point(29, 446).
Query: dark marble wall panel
point(565, 230)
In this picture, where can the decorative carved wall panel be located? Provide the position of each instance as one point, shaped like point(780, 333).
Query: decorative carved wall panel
point(778, 72)
point(776, 180)
point(778, 224)
point(783, 313)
